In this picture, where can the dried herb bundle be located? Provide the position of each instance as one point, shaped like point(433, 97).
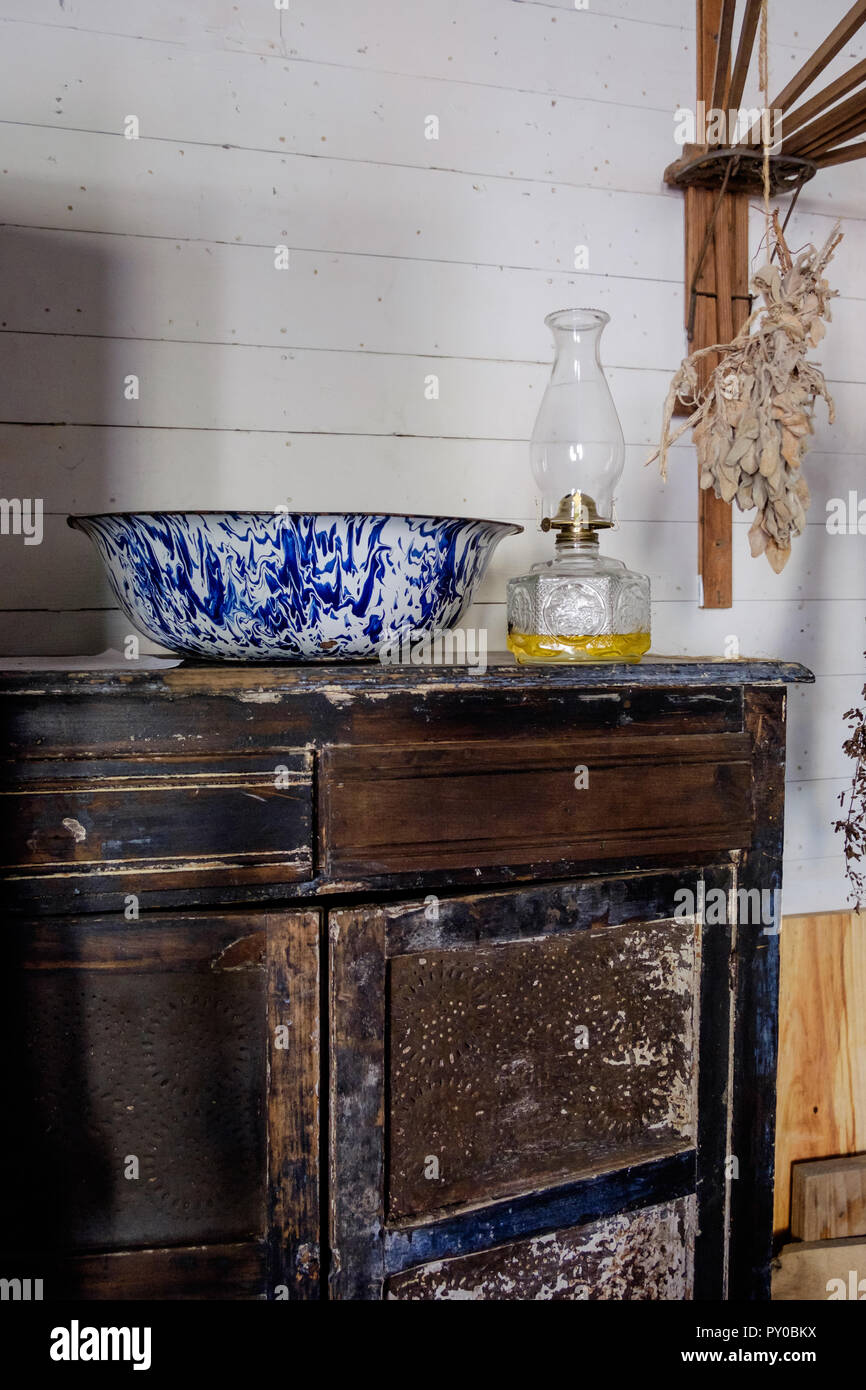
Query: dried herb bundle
point(752, 419)
point(853, 827)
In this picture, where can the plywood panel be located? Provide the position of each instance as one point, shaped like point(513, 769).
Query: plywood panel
point(822, 1057)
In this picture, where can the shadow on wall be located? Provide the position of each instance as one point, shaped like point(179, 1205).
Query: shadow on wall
point(87, 385)
point(54, 387)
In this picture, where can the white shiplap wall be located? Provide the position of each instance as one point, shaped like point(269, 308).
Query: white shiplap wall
point(259, 387)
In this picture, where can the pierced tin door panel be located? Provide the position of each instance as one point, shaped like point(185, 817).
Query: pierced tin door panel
point(161, 1090)
point(516, 1062)
point(510, 1067)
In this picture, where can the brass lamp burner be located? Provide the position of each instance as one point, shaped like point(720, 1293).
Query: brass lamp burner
point(575, 519)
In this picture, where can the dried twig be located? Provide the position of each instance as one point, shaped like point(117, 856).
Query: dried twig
point(752, 420)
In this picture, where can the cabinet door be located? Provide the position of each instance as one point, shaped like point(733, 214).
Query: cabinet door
point(161, 1087)
point(515, 1094)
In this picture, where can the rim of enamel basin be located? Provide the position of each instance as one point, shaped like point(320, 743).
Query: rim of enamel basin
point(227, 511)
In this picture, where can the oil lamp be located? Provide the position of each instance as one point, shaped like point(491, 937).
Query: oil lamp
point(581, 605)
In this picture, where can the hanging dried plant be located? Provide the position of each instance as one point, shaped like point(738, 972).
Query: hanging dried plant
point(853, 827)
point(753, 418)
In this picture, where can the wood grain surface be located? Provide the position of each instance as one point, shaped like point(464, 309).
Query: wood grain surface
point(822, 1063)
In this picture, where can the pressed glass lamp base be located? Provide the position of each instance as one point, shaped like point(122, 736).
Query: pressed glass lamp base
point(608, 646)
point(580, 606)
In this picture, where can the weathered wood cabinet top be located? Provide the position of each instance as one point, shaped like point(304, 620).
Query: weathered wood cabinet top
point(214, 784)
point(543, 1078)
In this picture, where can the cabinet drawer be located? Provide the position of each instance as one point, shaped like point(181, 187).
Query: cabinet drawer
point(516, 1065)
point(635, 1255)
point(131, 826)
point(450, 806)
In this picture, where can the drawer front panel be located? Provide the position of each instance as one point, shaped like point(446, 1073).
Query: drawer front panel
point(520, 1064)
point(449, 806)
point(644, 1254)
point(134, 826)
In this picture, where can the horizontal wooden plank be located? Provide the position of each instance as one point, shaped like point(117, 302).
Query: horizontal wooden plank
point(75, 380)
point(107, 827)
point(199, 23)
point(325, 109)
point(530, 912)
point(815, 885)
point(665, 551)
point(402, 808)
point(537, 46)
point(109, 184)
point(676, 14)
point(818, 634)
point(83, 468)
point(163, 943)
point(210, 386)
point(82, 380)
point(94, 468)
point(828, 1198)
point(519, 45)
point(820, 1270)
point(211, 1272)
point(113, 286)
point(816, 729)
point(811, 810)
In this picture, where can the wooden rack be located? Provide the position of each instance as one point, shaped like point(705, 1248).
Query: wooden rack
point(719, 178)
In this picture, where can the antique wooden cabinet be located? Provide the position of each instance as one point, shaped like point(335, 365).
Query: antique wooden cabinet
point(450, 984)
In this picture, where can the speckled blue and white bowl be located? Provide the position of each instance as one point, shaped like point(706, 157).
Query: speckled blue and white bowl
point(289, 586)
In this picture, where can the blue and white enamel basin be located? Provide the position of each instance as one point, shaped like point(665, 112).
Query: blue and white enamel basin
point(289, 586)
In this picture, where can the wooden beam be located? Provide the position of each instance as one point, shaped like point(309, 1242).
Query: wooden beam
point(838, 138)
point(844, 84)
point(744, 52)
point(844, 155)
point(709, 23)
point(814, 66)
point(722, 66)
point(714, 515)
point(819, 132)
